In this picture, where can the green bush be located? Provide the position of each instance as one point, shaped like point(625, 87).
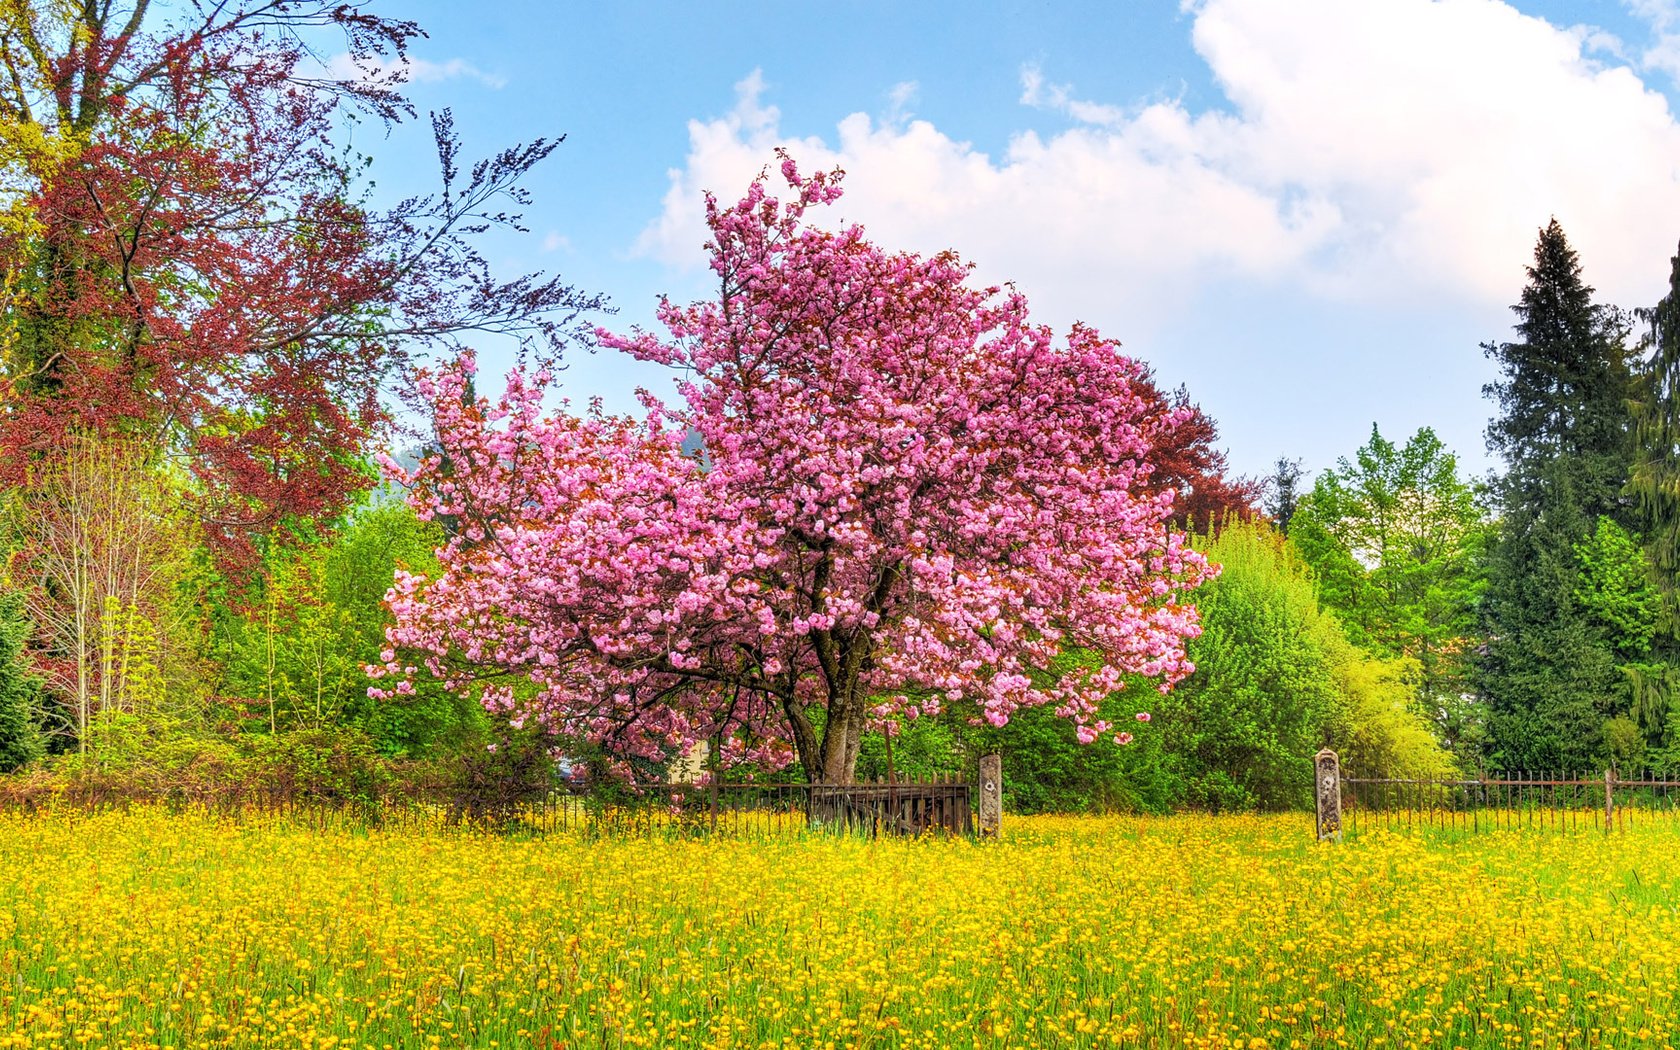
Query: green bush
point(335, 766)
point(1276, 679)
point(1047, 770)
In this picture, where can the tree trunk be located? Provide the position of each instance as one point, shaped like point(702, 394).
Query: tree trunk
point(842, 736)
point(829, 757)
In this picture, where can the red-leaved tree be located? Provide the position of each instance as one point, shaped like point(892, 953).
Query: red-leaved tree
point(907, 496)
point(186, 261)
point(1187, 459)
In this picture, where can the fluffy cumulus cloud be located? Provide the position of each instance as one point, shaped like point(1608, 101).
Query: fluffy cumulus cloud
point(1389, 152)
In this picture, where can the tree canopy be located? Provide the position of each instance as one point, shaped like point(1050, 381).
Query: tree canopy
point(911, 496)
point(1550, 677)
point(1397, 541)
point(187, 260)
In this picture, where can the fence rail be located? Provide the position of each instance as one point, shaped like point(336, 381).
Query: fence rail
point(1549, 800)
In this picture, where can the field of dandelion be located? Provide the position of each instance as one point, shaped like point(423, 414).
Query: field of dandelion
point(150, 929)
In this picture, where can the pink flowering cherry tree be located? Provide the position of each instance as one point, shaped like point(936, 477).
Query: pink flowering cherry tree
point(889, 492)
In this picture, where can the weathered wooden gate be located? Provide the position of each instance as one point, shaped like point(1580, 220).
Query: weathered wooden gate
point(944, 804)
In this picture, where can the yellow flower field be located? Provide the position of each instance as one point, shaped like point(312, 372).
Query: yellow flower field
point(148, 929)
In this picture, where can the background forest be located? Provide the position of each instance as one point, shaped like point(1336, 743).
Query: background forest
point(207, 330)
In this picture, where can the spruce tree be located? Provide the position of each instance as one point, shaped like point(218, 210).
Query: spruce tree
point(20, 742)
point(1283, 492)
point(1654, 486)
point(1550, 676)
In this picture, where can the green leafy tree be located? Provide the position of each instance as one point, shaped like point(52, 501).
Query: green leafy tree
point(1397, 542)
point(382, 537)
point(1614, 589)
point(1623, 604)
point(1550, 676)
point(1275, 680)
point(296, 651)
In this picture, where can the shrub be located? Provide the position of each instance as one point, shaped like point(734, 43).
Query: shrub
point(1276, 679)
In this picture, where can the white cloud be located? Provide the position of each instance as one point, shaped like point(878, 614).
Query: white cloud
point(411, 70)
point(1662, 17)
point(899, 100)
point(555, 241)
point(1036, 92)
point(1028, 214)
point(1388, 152)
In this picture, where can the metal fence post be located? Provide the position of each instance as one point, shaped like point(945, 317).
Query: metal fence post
point(1328, 781)
point(991, 796)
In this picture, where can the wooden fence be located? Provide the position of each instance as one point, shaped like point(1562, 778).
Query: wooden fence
point(1604, 800)
point(950, 805)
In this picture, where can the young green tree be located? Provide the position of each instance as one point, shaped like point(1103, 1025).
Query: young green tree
point(1549, 675)
point(1396, 540)
point(295, 653)
point(361, 565)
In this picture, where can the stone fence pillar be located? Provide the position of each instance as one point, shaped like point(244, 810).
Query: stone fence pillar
point(1328, 784)
point(991, 796)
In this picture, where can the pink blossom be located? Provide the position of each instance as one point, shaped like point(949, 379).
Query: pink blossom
point(911, 497)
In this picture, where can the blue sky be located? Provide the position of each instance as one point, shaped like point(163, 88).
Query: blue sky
point(1310, 212)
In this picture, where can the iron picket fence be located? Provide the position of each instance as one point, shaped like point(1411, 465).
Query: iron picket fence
point(935, 806)
point(1520, 799)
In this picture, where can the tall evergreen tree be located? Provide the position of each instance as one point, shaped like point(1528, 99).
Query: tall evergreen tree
point(1655, 478)
point(1550, 675)
point(1654, 486)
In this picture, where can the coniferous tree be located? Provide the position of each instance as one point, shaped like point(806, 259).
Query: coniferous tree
point(1654, 483)
point(1654, 486)
point(1283, 492)
point(20, 740)
point(1551, 676)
